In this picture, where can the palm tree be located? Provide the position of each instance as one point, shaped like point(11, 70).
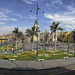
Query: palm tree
point(73, 35)
point(68, 37)
point(54, 27)
point(31, 33)
point(63, 36)
point(46, 39)
point(17, 33)
point(23, 39)
point(60, 29)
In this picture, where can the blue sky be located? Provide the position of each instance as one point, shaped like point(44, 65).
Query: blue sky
point(16, 13)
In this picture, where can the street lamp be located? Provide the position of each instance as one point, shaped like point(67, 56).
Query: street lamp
point(37, 30)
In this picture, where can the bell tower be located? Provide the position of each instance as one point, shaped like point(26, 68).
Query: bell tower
point(36, 27)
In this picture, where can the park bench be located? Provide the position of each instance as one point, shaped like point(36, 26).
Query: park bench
point(65, 57)
point(40, 59)
point(12, 59)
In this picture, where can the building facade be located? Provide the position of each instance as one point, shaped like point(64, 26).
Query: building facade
point(3, 38)
point(45, 37)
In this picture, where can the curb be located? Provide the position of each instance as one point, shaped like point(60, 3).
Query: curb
point(30, 69)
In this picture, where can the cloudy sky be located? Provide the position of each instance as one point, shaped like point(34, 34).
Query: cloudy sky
point(16, 13)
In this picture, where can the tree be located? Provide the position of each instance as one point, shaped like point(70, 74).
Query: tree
point(31, 33)
point(73, 35)
point(68, 37)
point(46, 39)
point(62, 37)
point(17, 33)
point(54, 27)
point(59, 28)
point(23, 39)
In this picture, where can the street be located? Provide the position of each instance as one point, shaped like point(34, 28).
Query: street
point(68, 70)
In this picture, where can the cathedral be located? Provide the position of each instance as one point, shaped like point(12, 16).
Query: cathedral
point(36, 27)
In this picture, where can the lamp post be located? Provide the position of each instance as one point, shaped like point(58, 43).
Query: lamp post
point(37, 30)
point(37, 11)
point(37, 44)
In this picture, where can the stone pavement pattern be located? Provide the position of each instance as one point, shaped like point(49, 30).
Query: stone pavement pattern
point(36, 65)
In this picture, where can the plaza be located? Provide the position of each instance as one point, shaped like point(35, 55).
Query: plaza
point(37, 37)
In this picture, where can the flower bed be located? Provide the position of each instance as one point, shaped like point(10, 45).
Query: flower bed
point(43, 54)
point(53, 50)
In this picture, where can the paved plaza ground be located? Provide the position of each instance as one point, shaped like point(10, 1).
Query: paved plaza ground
point(36, 65)
point(47, 67)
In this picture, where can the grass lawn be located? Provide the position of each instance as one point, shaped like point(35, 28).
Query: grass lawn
point(43, 54)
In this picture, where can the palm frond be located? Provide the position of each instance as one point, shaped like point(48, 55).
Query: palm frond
point(59, 28)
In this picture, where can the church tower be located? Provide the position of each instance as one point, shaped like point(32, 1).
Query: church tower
point(36, 27)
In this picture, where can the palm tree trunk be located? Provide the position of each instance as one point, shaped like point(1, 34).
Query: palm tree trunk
point(74, 49)
point(16, 43)
point(68, 44)
point(63, 42)
point(32, 46)
point(55, 40)
point(37, 49)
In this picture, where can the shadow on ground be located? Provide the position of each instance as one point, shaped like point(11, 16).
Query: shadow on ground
point(56, 71)
point(5, 58)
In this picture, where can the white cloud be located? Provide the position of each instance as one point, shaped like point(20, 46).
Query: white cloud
point(32, 17)
point(19, 15)
point(29, 1)
point(56, 2)
point(4, 17)
point(49, 6)
point(2, 14)
point(66, 19)
point(1, 23)
point(23, 29)
point(7, 11)
point(71, 10)
point(12, 19)
point(8, 29)
point(8, 19)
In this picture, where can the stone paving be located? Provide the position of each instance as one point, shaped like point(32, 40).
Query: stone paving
point(36, 65)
